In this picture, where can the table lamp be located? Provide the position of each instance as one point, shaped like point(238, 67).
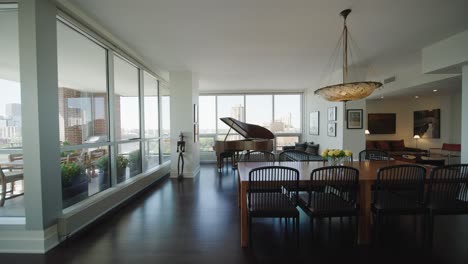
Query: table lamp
point(416, 137)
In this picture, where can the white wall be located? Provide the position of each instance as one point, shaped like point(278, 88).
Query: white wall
point(184, 94)
point(316, 103)
point(404, 108)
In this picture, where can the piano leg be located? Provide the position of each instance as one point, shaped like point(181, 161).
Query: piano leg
point(219, 161)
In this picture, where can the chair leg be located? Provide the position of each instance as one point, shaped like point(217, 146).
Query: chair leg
point(430, 228)
point(2, 201)
point(249, 224)
point(297, 231)
point(356, 232)
point(377, 228)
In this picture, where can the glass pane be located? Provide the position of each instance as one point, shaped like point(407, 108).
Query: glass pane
point(230, 106)
point(207, 114)
point(84, 172)
point(10, 89)
point(151, 154)
point(127, 104)
point(128, 161)
point(166, 149)
point(206, 143)
point(166, 110)
point(259, 110)
point(287, 114)
point(83, 116)
point(151, 106)
point(285, 141)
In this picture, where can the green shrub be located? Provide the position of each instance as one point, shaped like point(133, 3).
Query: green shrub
point(70, 172)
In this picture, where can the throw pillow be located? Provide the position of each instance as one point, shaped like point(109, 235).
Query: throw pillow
point(312, 149)
point(398, 145)
point(370, 144)
point(382, 145)
point(300, 146)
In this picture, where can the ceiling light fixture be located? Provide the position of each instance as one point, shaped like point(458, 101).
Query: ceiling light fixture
point(435, 90)
point(416, 97)
point(347, 91)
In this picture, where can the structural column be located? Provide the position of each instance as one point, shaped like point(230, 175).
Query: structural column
point(184, 95)
point(464, 115)
point(39, 96)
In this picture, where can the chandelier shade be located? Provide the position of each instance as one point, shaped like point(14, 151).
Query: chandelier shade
point(347, 91)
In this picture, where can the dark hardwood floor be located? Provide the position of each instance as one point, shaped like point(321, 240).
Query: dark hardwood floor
point(197, 221)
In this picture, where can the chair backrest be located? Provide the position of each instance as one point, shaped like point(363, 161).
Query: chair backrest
point(448, 184)
point(294, 155)
point(343, 181)
point(257, 156)
point(97, 153)
point(406, 181)
point(264, 181)
point(13, 157)
point(373, 154)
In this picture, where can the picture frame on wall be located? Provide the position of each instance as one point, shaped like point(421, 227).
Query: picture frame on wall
point(354, 117)
point(331, 130)
point(314, 123)
point(195, 133)
point(332, 113)
point(195, 113)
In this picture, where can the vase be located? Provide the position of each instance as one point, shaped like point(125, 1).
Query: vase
point(335, 161)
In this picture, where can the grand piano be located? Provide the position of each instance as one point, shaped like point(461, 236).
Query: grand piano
point(256, 138)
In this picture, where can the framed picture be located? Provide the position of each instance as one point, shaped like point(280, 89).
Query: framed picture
point(332, 113)
point(354, 118)
point(195, 133)
point(427, 123)
point(314, 122)
point(331, 130)
point(195, 113)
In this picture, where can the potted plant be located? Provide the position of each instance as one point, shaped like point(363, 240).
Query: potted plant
point(103, 164)
point(74, 180)
point(134, 162)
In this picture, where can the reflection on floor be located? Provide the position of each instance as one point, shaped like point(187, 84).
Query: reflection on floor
point(197, 221)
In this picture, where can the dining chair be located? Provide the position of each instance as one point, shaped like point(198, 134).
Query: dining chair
point(258, 156)
point(294, 155)
point(398, 190)
point(447, 193)
point(332, 192)
point(373, 154)
point(9, 178)
point(272, 193)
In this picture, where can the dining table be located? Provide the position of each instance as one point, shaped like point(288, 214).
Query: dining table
point(367, 176)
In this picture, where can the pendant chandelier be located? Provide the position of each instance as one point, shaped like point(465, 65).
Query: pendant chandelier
point(347, 91)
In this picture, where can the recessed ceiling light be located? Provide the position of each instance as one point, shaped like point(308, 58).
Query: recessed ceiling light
point(382, 97)
point(416, 96)
point(435, 90)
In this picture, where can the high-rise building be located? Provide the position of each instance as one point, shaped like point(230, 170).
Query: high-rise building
point(13, 110)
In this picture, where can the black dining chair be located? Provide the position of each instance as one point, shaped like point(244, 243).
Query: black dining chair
point(447, 193)
point(333, 192)
point(399, 190)
point(258, 156)
point(272, 193)
point(373, 154)
point(294, 155)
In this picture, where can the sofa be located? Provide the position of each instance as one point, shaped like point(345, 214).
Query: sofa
point(394, 148)
point(309, 147)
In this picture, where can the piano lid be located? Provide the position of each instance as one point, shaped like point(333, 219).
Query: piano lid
point(248, 130)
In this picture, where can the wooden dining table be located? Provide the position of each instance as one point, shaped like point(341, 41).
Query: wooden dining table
point(367, 176)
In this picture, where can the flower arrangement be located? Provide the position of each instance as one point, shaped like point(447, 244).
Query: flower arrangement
point(336, 153)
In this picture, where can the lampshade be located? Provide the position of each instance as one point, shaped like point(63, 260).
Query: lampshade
point(416, 137)
point(347, 91)
point(367, 132)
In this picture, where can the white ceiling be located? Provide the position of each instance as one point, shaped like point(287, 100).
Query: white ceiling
point(273, 44)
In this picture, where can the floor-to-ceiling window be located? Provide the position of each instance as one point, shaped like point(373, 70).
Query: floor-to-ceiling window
point(10, 110)
point(109, 116)
point(279, 113)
